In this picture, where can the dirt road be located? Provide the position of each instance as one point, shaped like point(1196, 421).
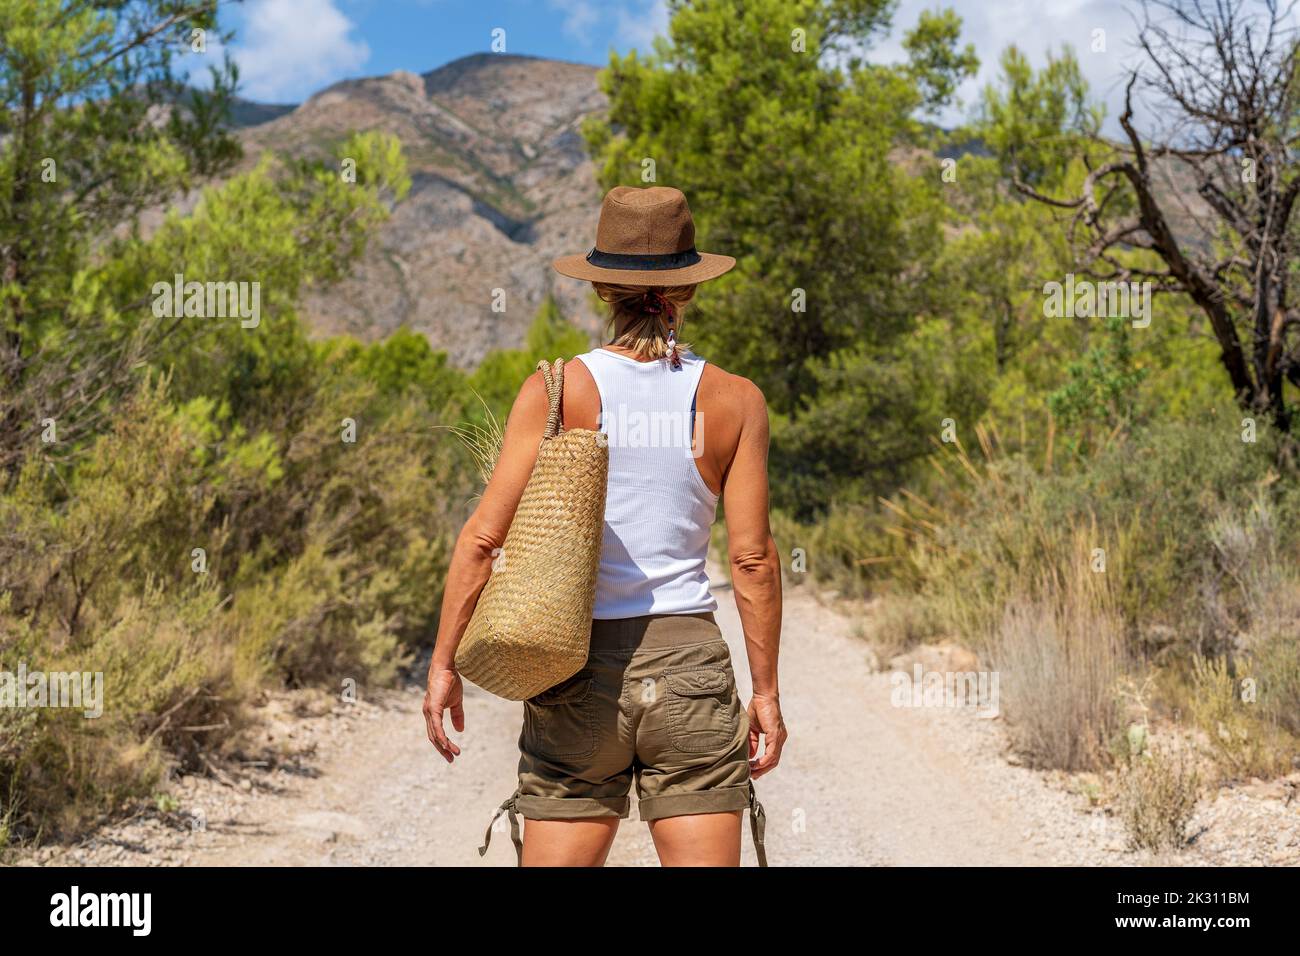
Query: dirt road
point(862, 782)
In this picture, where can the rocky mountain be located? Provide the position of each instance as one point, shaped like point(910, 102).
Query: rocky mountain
point(245, 113)
point(501, 184)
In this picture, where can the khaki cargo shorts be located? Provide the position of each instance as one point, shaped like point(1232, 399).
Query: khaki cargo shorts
point(656, 704)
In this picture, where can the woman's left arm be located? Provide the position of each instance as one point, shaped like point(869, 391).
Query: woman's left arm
point(477, 547)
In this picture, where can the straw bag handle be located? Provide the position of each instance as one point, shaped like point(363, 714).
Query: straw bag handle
point(553, 375)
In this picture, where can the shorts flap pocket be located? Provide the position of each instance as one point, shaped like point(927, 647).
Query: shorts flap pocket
point(570, 691)
point(708, 682)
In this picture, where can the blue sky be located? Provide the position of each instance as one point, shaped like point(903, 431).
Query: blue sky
point(289, 49)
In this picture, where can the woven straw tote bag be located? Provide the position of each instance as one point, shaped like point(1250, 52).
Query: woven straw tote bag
point(531, 628)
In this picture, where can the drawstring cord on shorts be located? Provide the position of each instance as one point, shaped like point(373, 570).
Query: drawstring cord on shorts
point(511, 808)
point(757, 824)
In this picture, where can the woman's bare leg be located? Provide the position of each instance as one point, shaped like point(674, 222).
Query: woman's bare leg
point(568, 842)
point(699, 839)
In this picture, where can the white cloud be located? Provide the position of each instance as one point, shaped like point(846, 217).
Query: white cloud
point(289, 49)
point(638, 27)
point(1035, 26)
point(579, 17)
point(636, 22)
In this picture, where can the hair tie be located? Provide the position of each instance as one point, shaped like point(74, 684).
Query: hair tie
point(653, 303)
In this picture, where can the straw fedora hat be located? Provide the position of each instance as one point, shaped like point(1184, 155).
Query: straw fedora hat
point(645, 237)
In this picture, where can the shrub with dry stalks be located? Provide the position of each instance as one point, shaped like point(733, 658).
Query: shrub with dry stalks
point(1158, 793)
point(1060, 656)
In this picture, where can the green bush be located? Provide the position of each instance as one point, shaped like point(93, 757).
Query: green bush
point(195, 553)
point(170, 697)
point(192, 563)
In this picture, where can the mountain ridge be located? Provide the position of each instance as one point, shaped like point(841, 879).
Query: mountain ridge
point(500, 185)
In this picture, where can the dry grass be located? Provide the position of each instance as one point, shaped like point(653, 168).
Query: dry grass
point(1244, 695)
point(1025, 589)
point(1239, 737)
point(482, 441)
point(1158, 791)
point(901, 622)
point(1060, 655)
point(1199, 586)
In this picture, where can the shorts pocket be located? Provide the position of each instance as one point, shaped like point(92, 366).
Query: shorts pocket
point(558, 722)
point(702, 709)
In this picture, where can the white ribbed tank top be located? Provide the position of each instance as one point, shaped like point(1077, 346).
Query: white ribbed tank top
point(658, 510)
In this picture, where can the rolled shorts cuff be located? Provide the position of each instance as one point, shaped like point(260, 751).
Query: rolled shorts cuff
point(716, 800)
point(572, 808)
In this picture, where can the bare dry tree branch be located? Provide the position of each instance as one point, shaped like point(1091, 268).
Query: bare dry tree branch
point(1226, 76)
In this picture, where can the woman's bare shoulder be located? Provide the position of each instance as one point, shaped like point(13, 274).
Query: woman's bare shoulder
point(734, 389)
point(736, 411)
point(579, 402)
point(531, 404)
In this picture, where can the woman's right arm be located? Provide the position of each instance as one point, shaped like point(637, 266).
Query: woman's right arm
point(756, 575)
point(477, 547)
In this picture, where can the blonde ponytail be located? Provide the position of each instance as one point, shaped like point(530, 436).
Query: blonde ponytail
point(649, 330)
